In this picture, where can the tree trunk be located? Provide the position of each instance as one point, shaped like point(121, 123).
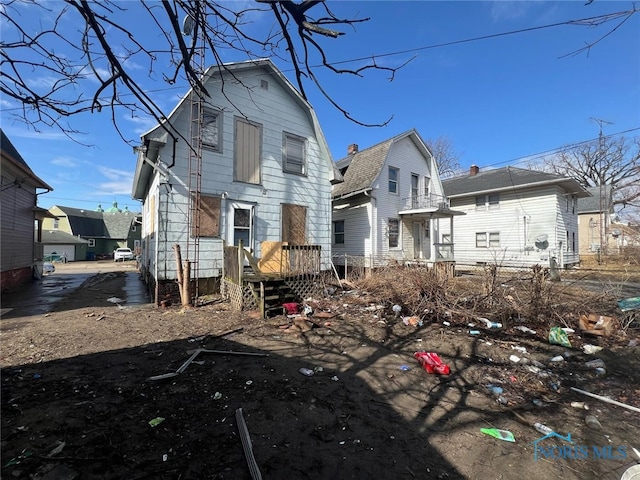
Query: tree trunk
point(186, 285)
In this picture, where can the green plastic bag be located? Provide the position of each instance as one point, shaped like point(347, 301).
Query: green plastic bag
point(505, 435)
point(557, 336)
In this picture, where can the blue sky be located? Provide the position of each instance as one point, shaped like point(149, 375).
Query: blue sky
point(498, 100)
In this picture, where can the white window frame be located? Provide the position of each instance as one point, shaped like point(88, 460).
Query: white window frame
point(56, 223)
point(289, 161)
point(92, 242)
point(337, 233)
point(208, 112)
point(396, 234)
point(494, 239)
point(395, 181)
point(487, 239)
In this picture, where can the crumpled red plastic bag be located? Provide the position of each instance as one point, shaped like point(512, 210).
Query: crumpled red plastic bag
point(291, 308)
point(432, 363)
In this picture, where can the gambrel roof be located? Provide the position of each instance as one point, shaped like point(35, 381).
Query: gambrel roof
point(507, 178)
point(363, 167)
point(157, 137)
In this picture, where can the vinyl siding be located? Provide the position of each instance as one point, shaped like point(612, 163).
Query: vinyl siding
point(277, 112)
point(520, 218)
point(357, 231)
point(405, 156)
point(18, 232)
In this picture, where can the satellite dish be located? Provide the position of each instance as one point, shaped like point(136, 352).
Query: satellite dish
point(187, 25)
point(541, 242)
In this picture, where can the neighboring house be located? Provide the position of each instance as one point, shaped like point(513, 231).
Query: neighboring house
point(104, 231)
point(515, 217)
point(594, 220)
point(624, 236)
point(57, 244)
point(259, 170)
point(21, 251)
point(391, 206)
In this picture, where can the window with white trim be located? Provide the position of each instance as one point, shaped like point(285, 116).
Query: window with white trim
point(92, 242)
point(394, 232)
point(487, 239)
point(393, 180)
point(293, 154)
point(490, 201)
point(56, 223)
point(210, 133)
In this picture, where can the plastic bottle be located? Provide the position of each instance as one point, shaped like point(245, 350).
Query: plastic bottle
point(306, 371)
point(542, 428)
point(489, 324)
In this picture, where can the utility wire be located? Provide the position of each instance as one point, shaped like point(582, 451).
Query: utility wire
point(535, 156)
point(588, 21)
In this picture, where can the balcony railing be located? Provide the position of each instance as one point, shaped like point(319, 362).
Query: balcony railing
point(417, 202)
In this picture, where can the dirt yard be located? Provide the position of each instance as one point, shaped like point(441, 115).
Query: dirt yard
point(78, 401)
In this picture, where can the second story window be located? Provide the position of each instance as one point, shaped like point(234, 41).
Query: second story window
point(56, 224)
point(488, 201)
point(393, 180)
point(210, 132)
point(248, 149)
point(293, 154)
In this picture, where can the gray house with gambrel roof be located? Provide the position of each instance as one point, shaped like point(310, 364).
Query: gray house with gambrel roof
point(515, 217)
point(391, 206)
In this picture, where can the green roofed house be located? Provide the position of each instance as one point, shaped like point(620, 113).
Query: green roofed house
point(104, 231)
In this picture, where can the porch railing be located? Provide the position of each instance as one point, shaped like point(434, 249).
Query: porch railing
point(444, 251)
point(425, 201)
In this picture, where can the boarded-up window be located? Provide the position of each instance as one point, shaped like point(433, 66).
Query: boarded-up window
point(294, 221)
point(207, 222)
point(248, 139)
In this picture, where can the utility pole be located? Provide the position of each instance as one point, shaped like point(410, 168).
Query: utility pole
point(603, 204)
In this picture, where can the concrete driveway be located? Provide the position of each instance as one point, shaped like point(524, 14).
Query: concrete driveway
point(39, 296)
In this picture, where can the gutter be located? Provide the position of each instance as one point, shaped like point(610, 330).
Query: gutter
point(520, 187)
point(353, 194)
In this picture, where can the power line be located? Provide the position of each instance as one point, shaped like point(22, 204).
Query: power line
point(588, 21)
point(535, 156)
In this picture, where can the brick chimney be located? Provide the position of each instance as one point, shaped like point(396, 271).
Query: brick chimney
point(353, 148)
point(474, 170)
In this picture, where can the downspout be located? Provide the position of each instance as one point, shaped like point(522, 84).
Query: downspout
point(157, 250)
point(173, 154)
point(374, 224)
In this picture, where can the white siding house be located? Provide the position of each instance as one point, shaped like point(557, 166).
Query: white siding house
point(391, 205)
point(515, 217)
point(265, 174)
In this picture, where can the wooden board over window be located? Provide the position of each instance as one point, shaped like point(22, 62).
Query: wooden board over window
point(294, 222)
point(209, 217)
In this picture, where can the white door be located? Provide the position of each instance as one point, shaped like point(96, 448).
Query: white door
point(240, 224)
point(417, 240)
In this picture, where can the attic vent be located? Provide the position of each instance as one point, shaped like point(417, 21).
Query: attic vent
point(264, 84)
